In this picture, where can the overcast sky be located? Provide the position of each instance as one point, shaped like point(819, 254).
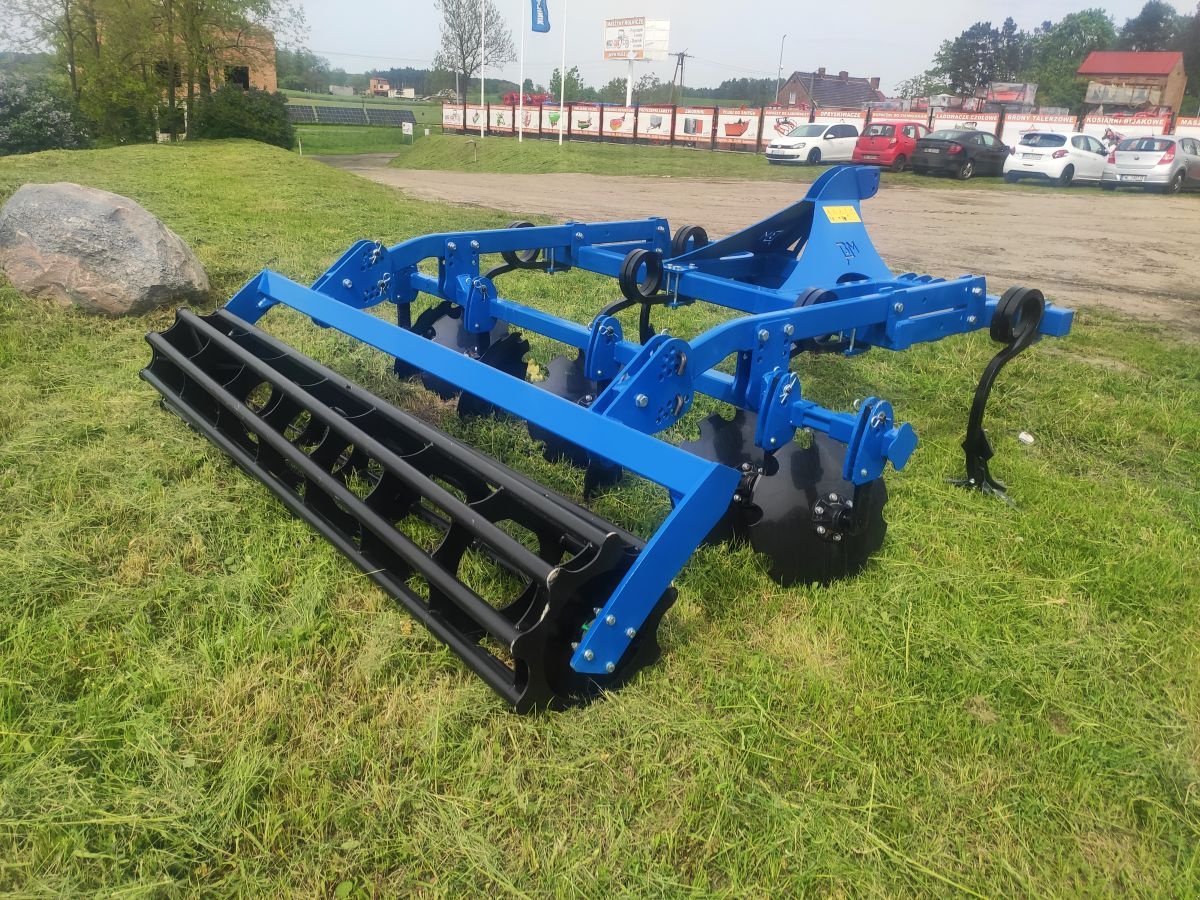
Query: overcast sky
point(889, 38)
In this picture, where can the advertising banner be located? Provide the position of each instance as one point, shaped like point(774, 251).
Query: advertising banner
point(551, 116)
point(654, 123)
point(585, 120)
point(965, 121)
point(855, 117)
point(1017, 124)
point(500, 119)
point(1188, 126)
point(737, 127)
point(1111, 130)
point(619, 122)
point(778, 121)
point(625, 38)
point(694, 125)
point(900, 115)
point(528, 119)
point(475, 116)
point(452, 117)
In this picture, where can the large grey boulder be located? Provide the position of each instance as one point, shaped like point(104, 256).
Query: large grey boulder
point(98, 251)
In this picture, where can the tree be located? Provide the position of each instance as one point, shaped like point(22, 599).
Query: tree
point(460, 49)
point(576, 89)
point(927, 84)
point(302, 70)
point(1061, 49)
point(983, 54)
point(1191, 57)
point(1156, 27)
point(33, 118)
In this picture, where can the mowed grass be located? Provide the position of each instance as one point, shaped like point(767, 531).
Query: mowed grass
point(198, 696)
point(501, 153)
point(328, 140)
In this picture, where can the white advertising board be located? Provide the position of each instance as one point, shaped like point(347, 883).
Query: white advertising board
point(1188, 126)
point(965, 121)
point(739, 126)
point(1017, 124)
point(1111, 130)
point(636, 38)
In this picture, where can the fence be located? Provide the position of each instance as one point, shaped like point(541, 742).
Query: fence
point(748, 129)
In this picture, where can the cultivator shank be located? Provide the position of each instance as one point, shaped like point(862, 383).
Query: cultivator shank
point(542, 599)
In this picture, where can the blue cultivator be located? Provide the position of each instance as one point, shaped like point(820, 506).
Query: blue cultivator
point(420, 512)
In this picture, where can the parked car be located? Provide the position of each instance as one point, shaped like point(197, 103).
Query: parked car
point(963, 154)
point(813, 144)
point(1167, 163)
point(889, 144)
point(1060, 158)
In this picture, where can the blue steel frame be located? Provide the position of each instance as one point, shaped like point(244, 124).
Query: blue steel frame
point(762, 271)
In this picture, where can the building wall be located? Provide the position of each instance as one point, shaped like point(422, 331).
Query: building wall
point(256, 51)
point(794, 93)
point(1173, 86)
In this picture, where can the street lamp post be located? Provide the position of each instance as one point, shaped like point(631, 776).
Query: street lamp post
point(779, 75)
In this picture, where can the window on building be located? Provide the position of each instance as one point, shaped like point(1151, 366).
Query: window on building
point(239, 75)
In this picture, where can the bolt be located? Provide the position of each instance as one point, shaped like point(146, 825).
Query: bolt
point(849, 504)
point(579, 235)
point(661, 229)
point(745, 467)
point(738, 498)
point(474, 245)
point(820, 529)
point(610, 667)
point(833, 498)
point(970, 320)
point(789, 329)
point(347, 283)
point(610, 619)
point(837, 538)
point(631, 633)
point(899, 307)
point(773, 441)
point(452, 246)
point(862, 472)
point(642, 401)
point(589, 655)
point(764, 335)
point(588, 398)
point(820, 510)
point(977, 291)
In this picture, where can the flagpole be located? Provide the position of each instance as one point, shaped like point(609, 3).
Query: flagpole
point(562, 78)
point(521, 88)
point(483, 60)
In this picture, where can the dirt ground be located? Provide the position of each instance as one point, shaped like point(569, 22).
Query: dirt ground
point(1136, 253)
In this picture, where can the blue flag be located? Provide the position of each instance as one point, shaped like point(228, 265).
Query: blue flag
point(541, 16)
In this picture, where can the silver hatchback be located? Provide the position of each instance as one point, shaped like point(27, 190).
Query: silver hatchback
point(1166, 163)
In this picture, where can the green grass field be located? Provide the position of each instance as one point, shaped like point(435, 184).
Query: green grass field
point(505, 154)
point(198, 696)
point(318, 140)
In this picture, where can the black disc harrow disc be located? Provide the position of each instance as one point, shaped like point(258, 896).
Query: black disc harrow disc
point(506, 573)
point(793, 505)
point(565, 378)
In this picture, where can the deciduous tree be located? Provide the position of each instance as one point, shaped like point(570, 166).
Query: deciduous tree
point(461, 49)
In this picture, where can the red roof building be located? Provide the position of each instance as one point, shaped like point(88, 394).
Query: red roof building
point(1122, 81)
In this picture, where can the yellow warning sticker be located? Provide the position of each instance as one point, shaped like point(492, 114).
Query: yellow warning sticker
point(842, 215)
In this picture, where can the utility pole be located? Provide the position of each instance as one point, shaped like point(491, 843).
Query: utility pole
point(679, 58)
point(779, 75)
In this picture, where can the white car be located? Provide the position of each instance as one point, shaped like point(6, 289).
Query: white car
point(813, 144)
point(1058, 158)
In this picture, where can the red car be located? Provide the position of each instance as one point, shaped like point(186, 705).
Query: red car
point(889, 144)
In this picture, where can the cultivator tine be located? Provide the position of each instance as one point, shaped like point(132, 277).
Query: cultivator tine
point(373, 480)
point(793, 505)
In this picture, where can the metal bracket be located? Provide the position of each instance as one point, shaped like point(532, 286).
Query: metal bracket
point(655, 389)
point(600, 359)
